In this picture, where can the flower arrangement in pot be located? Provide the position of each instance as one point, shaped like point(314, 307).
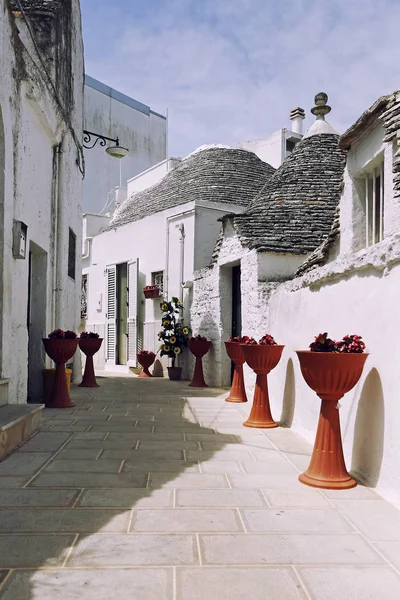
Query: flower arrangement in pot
point(60, 346)
point(331, 368)
point(145, 359)
point(199, 346)
point(90, 343)
point(234, 350)
point(262, 357)
point(174, 334)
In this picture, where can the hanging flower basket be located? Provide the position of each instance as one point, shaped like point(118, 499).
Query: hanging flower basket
point(151, 291)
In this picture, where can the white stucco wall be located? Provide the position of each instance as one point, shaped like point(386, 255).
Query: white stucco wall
point(42, 188)
point(271, 149)
point(138, 128)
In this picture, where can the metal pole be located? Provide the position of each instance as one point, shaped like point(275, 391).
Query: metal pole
point(166, 140)
point(374, 206)
point(366, 212)
point(381, 203)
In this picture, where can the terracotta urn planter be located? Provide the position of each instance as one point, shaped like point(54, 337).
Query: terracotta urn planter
point(146, 360)
point(89, 347)
point(238, 391)
point(330, 375)
point(261, 359)
point(198, 348)
point(60, 351)
point(174, 373)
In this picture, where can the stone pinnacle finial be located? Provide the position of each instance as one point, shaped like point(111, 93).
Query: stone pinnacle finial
point(321, 107)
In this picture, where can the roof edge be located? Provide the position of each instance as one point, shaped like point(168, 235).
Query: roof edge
point(365, 121)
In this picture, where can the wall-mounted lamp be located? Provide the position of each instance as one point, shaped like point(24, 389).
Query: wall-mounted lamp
point(90, 140)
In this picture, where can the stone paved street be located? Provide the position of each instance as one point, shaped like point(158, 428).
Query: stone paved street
point(152, 490)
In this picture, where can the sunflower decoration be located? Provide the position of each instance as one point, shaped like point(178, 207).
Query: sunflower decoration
point(173, 335)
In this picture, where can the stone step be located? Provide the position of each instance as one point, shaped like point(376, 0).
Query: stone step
point(17, 423)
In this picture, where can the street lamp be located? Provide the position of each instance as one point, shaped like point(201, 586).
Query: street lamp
point(116, 151)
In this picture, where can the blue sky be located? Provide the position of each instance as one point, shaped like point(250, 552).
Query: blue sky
point(231, 70)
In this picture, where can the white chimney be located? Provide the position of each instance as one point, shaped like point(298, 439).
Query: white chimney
point(297, 116)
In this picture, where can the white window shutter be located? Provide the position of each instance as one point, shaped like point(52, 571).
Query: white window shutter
point(133, 310)
point(111, 314)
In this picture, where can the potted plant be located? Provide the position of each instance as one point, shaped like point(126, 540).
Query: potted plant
point(234, 351)
point(199, 346)
point(90, 343)
point(151, 291)
point(60, 346)
point(174, 335)
point(261, 357)
point(146, 359)
point(330, 369)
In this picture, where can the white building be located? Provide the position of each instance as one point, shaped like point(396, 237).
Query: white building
point(162, 234)
point(41, 168)
point(141, 130)
point(306, 268)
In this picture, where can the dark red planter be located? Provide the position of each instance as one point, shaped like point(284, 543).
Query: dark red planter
point(174, 373)
point(199, 348)
point(261, 359)
point(151, 291)
point(146, 360)
point(60, 351)
point(89, 347)
point(331, 376)
point(238, 391)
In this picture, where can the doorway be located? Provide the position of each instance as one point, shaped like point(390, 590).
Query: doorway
point(236, 307)
point(122, 313)
point(36, 320)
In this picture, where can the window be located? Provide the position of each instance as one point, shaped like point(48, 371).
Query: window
point(290, 144)
point(84, 290)
point(157, 278)
point(374, 205)
point(71, 254)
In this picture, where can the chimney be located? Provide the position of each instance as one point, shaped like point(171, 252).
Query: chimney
point(297, 116)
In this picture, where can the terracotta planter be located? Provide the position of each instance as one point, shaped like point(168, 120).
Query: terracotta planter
point(330, 376)
point(146, 360)
point(238, 392)
point(151, 291)
point(262, 359)
point(199, 348)
point(174, 373)
point(89, 347)
point(60, 351)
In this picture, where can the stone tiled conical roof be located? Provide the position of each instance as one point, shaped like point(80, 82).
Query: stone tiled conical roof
point(295, 211)
point(223, 175)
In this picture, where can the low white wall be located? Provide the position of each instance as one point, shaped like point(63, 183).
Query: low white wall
point(357, 294)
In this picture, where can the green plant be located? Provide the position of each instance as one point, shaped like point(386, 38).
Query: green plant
point(174, 334)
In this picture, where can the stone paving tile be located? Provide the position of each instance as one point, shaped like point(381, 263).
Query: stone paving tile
point(8, 481)
point(220, 466)
point(37, 498)
point(292, 520)
point(89, 435)
point(143, 455)
point(274, 466)
point(169, 445)
point(219, 498)
point(162, 466)
point(31, 551)
point(241, 549)
point(93, 584)
point(185, 520)
point(351, 583)
point(24, 463)
point(127, 498)
point(66, 428)
point(306, 497)
point(391, 551)
point(186, 481)
point(300, 461)
point(106, 444)
point(151, 437)
point(357, 493)
point(376, 519)
point(63, 521)
point(211, 437)
point(238, 584)
point(225, 455)
point(90, 480)
point(134, 550)
point(83, 466)
point(79, 453)
point(269, 481)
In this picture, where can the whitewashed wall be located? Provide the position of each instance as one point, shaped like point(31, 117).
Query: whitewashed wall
point(43, 189)
point(139, 129)
point(151, 176)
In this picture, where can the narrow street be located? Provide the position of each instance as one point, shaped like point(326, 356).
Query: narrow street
point(152, 490)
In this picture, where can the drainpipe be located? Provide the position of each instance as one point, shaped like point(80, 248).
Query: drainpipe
point(54, 201)
point(88, 247)
point(168, 220)
point(57, 246)
point(181, 228)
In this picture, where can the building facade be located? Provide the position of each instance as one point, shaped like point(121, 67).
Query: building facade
point(41, 170)
point(139, 129)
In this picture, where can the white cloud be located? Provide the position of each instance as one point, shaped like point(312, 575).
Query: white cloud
point(231, 70)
